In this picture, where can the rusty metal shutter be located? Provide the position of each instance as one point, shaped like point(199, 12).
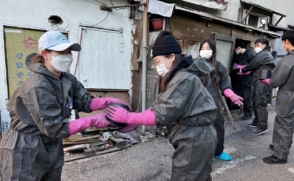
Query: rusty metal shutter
point(102, 65)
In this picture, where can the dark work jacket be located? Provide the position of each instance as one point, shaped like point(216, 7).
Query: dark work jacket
point(245, 59)
point(283, 77)
point(262, 61)
point(185, 97)
point(224, 82)
point(189, 105)
point(39, 110)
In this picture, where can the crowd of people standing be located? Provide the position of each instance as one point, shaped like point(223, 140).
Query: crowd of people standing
point(189, 102)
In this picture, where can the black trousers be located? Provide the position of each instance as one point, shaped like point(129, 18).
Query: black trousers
point(261, 95)
point(247, 100)
point(244, 89)
point(53, 176)
point(219, 125)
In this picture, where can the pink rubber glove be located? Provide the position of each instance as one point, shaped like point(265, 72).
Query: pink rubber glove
point(246, 73)
point(121, 115)
point(233, 97)
point(239, 66)
point(97, 120)
point(128, 128)
point(266, 81)
point(102, 103)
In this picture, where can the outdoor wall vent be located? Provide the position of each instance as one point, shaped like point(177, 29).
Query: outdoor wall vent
point(55, 20)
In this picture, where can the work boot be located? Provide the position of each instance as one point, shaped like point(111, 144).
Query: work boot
point(224, 157)
point(246, 117)
point(273, 160)
point(259, 131)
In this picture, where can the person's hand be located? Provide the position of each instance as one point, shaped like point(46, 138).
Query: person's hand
point(117, 114)
point(233, 97)
point(237, 100)
point(98, 120)
point(266, 81)
point(102, 103)
point(121, 115)
point(237, 66)
point(239, 103)
point(246, 73)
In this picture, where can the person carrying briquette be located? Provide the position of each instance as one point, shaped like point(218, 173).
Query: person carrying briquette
point(283, 77)
point(183, 101)
point(215, 82)
point(261, 92)
point(31, 149)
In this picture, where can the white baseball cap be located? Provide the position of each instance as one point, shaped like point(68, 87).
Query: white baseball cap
point(54, 40)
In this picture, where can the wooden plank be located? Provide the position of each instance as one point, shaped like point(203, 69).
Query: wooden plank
point(80, 139)
point(76, 156)
point(119, 144)
point(137, 43)
point(228, 111)
point(136, 89)
point(248, 12)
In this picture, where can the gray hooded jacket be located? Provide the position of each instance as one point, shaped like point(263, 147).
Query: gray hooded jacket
point(39, 110)
point(187, 103)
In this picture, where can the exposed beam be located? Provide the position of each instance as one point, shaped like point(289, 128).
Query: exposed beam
point(246, 14)
point(279, 20)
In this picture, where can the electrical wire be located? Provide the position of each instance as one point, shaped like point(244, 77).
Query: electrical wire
point(98, 22)
point(113, 5)
point(116, 8)
point(101, 2)
point(106, 14)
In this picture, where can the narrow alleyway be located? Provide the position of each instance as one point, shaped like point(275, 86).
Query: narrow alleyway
point(152, 160)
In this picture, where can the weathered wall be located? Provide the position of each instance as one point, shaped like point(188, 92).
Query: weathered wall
point(34, 14)
point(190, 31)
point(284, 7)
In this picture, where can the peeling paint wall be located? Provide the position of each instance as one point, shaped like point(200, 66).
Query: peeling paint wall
point(34, 15)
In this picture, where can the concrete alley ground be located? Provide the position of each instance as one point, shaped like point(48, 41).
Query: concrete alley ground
point(151, 161)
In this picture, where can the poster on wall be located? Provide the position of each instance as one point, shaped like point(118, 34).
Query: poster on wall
point(19, 43)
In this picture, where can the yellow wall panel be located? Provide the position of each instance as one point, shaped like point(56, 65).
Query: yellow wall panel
point(19, 43)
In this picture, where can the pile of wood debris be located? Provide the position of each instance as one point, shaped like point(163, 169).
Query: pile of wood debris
point(93, 142)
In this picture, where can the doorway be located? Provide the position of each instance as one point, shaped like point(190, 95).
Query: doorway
point(233, 73)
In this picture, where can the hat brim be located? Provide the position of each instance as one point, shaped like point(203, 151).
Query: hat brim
point(64, 46)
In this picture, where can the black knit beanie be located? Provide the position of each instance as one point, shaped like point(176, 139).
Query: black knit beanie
point(165, 44)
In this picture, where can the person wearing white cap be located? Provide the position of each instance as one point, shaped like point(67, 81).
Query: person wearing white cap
point(31, 149)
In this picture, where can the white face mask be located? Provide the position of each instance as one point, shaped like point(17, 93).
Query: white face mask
point(237, 52)
point(161, 69)
point(206, 53)
point(62, 62)
point(258, 49)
